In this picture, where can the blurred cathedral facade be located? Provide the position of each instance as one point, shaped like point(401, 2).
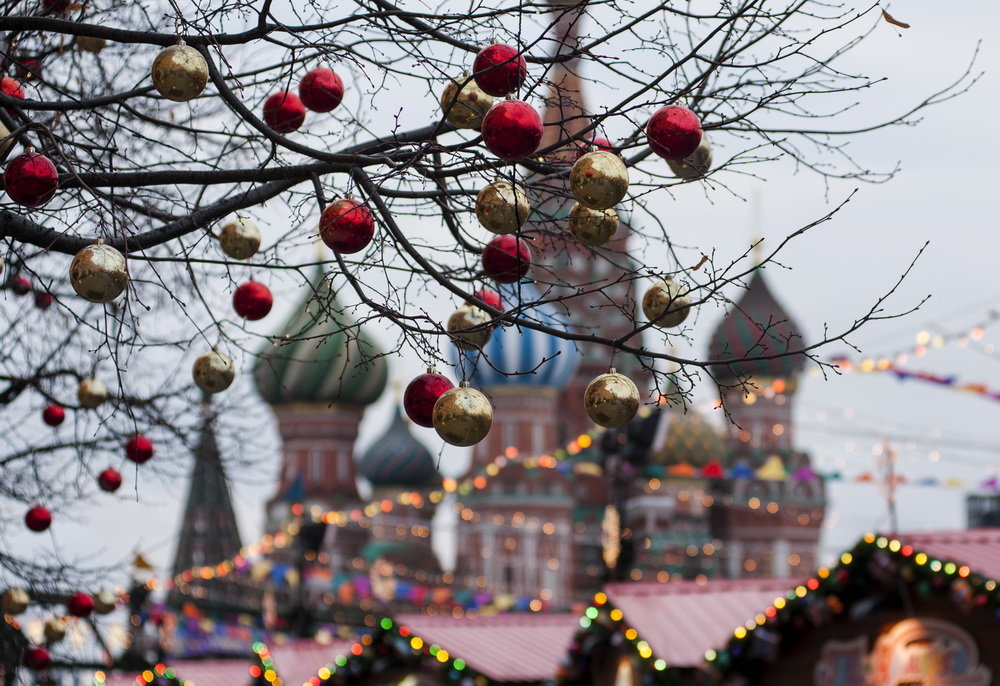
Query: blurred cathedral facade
point(667, 497)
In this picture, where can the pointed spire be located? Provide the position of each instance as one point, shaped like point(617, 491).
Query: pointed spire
point(565, 114)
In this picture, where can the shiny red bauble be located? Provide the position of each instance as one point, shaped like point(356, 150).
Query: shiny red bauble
point(253, 300)
point(53, 414)
point(109, 480)
point(499, 70)
point(506, 259)
point(596, 144)
point(43, 301)
point(512, 130)
point(38, 518)
point(21, 285)
point(36, 658)
point(11, 87)
point(346, 226)
point(421, 394)
point(321, 90)
point(80, 605)
point(139, 449)
point(490, 297)
point(674, 132)
point(31, 179)
point(55, 6)
point(284, 112)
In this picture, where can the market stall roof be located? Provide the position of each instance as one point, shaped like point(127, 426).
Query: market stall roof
point(513, 647)
point(681, 621)
point(979, 549)
point(194, 672)
point(296, 661)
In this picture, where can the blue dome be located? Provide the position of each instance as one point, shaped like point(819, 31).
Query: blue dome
point(518, 356)
point(398, 459)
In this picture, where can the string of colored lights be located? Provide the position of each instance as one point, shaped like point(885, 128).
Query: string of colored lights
point(924, 340)
point(950, 381)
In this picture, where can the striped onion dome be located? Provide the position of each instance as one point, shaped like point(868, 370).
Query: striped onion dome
point(320, 356)
point(516, 356)
point(685, 437)
point(755, 325)
point(397, 458)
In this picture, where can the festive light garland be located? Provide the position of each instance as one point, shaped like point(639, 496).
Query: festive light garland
point(885, 366)
point(147, 676)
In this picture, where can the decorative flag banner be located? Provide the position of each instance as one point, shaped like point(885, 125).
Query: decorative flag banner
point(951, 381)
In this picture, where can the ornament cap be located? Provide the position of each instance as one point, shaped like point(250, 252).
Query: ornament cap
point(431, 369)
point(463, 383)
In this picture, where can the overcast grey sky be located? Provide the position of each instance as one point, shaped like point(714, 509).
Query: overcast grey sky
point(945, 193)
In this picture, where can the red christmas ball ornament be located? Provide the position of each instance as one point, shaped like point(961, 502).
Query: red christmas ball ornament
point(53, 414)
point(596, 144)
point(139, 449)
point(284, 112)
point(109, 480)
point(55, 6)
point(321, 90)
point(11, 87)
point(499, 70)
point(421, 394)
point(38, 518)
point(43, 301)
point(674, 132)
point(490, 297)
point(21, 285)
point(506, 259)
point(80, 605)
point(36, 658)
point(253, 300)
point(512, 130)
point(31, 179)
point(346, 226)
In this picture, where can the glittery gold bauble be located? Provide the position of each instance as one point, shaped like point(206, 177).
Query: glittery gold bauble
point(6, 143)
point(54, 630)
point(240, 239)
point(664, 305)
point(599, 180)
point(180, 73)
point(502, 207)
point(14, 601)
point(465, 108)
point(462, 416)
point(98, 273)
point(91, 393)
point(105, 602)
point(213, 372)
point(90, 44)
point(466, 317)
point(611, 400)
point(696, 164)
point(593, 227)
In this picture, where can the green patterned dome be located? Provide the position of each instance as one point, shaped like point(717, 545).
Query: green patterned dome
point(686, 438)
point(320, 356)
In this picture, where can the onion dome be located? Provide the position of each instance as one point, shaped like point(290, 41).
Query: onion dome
point(398, 459)
point(517, 356)
point(320, 356)
point(756, 325)
point(685, 438)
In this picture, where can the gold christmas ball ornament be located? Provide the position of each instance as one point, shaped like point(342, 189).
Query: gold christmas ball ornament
point(611, 400)
point(665, 305)
point(240, 239)
point(462, 416)
point(502, 207)
point(695, 165)
point(105, 602)
point(213, 372)
point(98, 273)
point(91, 394)
point(14, 601)
point(467, 317)
point(180, 73)
point(593, 227)
point(599, 180)
point(90, 44)
point(5, 143)
point(54, 630)
point(464, 106)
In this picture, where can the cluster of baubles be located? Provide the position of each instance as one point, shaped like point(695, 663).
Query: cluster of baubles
point(15, 601)
point(460, 415)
